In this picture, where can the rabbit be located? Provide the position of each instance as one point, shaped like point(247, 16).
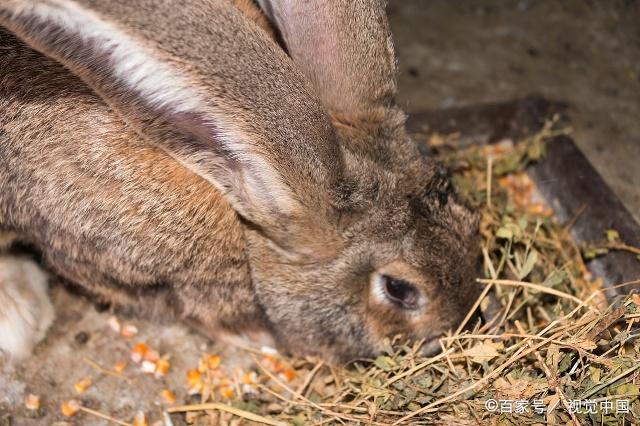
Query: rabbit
point(181, 162)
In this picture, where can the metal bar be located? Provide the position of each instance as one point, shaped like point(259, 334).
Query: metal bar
point(575, 190)
point(487, 123)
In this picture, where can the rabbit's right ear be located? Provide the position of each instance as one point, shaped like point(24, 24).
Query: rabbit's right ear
point(207, 86)
point(345, 49)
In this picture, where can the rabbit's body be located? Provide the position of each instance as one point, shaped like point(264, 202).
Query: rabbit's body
point(181, 161)
point(68, 166)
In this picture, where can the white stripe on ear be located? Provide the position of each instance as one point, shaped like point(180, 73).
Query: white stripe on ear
point(156, 82)
point(240, 134)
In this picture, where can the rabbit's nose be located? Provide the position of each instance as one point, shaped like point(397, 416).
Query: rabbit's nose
point(431, 349)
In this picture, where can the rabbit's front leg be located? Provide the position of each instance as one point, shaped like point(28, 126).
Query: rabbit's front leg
point(25, 309)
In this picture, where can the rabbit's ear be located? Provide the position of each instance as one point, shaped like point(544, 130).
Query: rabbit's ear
point(345, 49)
point(207, 86)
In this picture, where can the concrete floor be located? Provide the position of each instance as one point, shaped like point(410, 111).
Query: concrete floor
point(454, 53)
point(450, 53)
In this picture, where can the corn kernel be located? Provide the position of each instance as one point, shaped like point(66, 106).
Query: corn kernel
point(226, 392)
point(213, 362)
point(129, 330)
point(114, 324)
point(289, 374)
point(120, 366)
point(138, 352)
point(140, 419)
point(152, 355)
point(82, 385)
point(70, 408)
point(148, 367)
point(168, 396)
point(194, 378)
point(32, 402)
point(249, 378)
point(162, 367)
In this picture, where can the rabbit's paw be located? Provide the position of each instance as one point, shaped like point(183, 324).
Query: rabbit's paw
point(25, 309)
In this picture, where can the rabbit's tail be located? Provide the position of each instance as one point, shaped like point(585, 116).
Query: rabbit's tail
point(25, 309)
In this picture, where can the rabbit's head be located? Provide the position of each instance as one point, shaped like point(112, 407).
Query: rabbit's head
point(352, 235)
point(397, 252)
point(398, 256)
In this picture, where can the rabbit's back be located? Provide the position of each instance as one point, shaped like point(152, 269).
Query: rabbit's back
point(106, 209)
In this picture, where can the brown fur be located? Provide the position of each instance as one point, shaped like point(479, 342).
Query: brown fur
point(252, 12)
point(279, 223)
point(107, 210)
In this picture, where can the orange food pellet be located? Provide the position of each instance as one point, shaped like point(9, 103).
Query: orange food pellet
point(168, 396)
point(138, 352)
point(213, 362)
point(162, 367)
point(120, 366)
point(82, 385)
point(70, 408)
point(140, 419)
point(32, 402)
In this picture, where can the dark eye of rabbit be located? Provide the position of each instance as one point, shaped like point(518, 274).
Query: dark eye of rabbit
point(400, 292)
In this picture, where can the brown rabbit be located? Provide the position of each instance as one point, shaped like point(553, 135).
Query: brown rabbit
point(176, 158)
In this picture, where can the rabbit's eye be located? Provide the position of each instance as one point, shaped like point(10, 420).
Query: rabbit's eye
point(400, 292)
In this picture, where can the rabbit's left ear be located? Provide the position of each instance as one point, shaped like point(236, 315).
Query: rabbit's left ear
point(206, 85)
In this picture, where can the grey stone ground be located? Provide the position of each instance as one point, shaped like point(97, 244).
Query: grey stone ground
point(454, 53)
point(450, 53)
